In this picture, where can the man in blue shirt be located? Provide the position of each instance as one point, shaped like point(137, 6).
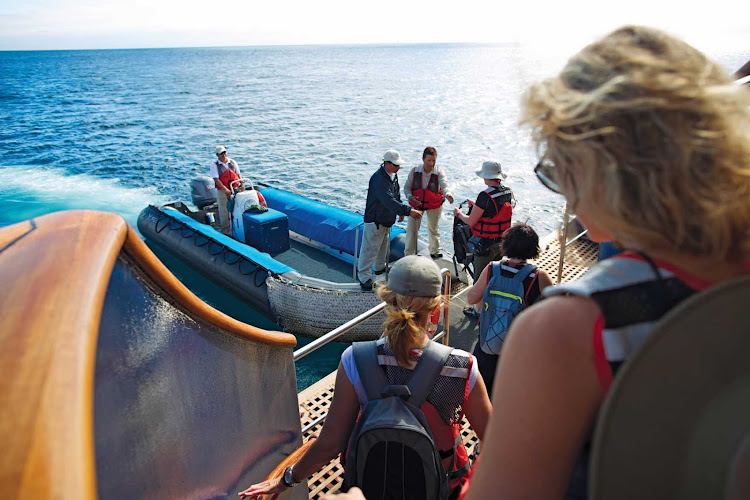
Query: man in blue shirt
point(382, 208)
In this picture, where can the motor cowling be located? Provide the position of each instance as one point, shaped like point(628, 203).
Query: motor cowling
point(203, 191)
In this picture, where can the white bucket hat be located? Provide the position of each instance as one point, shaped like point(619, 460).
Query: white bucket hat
point(491, 170)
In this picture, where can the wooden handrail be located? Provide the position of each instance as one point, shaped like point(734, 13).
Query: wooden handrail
point(292, 459)
point(55, 271)
point(158, 272)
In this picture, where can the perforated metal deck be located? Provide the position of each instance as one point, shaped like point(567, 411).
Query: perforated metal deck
point(315, 400)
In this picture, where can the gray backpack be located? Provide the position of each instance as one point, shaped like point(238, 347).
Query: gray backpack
point(392, 452)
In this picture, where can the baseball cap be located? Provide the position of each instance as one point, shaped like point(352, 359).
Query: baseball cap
point(416, 276)
point(220, 149)
point(393, 156)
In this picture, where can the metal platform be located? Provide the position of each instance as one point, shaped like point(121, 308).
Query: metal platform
point(315, 400)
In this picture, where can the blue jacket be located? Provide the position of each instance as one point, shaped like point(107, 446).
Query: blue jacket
point(384, 199)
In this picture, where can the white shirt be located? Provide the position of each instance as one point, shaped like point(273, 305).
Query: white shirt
point(442, 180)
point(213, 169)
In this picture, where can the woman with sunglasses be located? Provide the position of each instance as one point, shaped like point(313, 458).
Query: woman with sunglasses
point(647, 139)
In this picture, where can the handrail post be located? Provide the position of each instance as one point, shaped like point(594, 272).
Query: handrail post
point(446, 304)
point(563, 241)
point(388, 253)
point(356, 250)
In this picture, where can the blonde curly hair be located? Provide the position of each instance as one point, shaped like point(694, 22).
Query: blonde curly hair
point(656, 137)
point(406, 317)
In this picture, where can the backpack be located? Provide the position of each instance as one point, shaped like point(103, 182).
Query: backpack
point(463, 249)
point(392, 452)
point(503, 299)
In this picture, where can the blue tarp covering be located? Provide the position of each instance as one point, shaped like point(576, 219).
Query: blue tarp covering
point(262, 259)
point(318, 221)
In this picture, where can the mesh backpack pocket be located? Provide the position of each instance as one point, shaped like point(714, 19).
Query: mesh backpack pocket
point(392, 452)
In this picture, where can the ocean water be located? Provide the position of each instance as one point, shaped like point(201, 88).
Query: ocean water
point(117, 130)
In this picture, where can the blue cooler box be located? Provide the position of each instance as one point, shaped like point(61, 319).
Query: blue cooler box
point(268, 231)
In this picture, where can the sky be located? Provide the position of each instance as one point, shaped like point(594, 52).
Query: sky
point(554, 24)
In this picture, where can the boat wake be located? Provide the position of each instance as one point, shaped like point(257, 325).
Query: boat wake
point(32, 191)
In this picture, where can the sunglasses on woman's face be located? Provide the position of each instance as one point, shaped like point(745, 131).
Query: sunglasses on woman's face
point(547, 174)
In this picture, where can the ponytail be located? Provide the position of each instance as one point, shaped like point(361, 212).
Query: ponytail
point(404, 326)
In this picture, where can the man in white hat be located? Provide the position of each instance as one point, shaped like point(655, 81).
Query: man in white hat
point(490, 215)
point(382, 207)
point(224, 171)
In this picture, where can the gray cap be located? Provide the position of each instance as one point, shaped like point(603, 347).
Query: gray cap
point(393, 156)
point(220, 149)
point(491, 170)
point(416, 276)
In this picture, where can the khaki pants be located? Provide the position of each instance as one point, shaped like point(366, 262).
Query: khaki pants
point(373, 250)
point(412, 230)
point(223, 213)
point(480, 262)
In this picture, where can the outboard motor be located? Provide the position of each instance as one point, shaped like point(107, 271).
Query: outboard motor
point(243, 201)
point(203, 191)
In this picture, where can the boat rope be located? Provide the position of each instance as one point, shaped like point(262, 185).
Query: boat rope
point(161, 216)
point(206, 240)
point(245, 266)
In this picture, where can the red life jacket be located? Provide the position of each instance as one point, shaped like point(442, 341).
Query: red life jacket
point(432, 197)
point(227, 175)
point(493, 227)
point(446, 437)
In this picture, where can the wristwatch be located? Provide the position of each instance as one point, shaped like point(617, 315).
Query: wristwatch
point(288, 477)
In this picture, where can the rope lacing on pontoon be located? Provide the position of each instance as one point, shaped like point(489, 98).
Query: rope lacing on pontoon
point(214, 248)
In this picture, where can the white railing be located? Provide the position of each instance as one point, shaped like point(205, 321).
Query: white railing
point(339, 331)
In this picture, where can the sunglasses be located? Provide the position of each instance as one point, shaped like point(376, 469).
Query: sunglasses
point(221, 154)
point(547, 173)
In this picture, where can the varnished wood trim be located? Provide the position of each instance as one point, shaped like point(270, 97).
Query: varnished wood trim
point(55, 271)
point(292, 459)
point(153, 267)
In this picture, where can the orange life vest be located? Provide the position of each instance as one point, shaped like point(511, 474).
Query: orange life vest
point(493, 227)
point(430, 198)
point(446, 437)
point(227, 175)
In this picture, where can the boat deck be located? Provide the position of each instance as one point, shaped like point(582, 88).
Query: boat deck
point(315, 262)
point(315, 400)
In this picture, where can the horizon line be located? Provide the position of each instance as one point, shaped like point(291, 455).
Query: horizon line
point(269, 45)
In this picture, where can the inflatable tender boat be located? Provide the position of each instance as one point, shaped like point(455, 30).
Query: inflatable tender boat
point(295, 262)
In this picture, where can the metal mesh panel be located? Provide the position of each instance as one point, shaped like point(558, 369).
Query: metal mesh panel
point(448, 394)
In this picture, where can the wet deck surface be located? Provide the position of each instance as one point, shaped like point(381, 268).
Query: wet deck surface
point(463, 333)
